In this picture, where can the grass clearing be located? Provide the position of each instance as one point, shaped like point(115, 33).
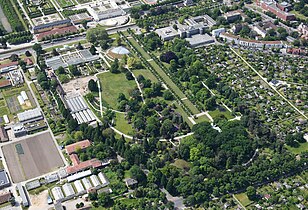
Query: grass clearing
point(297, 150)
point(139, 48)
point(122, 124)
point(182, 164)
point(242, 197)
point(114, 84)
point(216, 113)
point(202, 118)
point(146, 73)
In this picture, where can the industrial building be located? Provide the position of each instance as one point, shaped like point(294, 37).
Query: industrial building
point(19, 130)
point(78, 18)
point(30, 115)
point(33, 184)
point(68, 189)
point(57, 193)
point(279, 10)
point(23, 195)
point(79, 109)
point(51, 178)
point(105, 10)
point(4, 179)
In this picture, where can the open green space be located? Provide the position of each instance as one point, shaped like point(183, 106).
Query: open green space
point(65, 3)
point(298, 15)
point(114, 84)
point(297, 150)
point(202, 118)
point(217, 113)
point(146, 73)
point(122, 124)
point(139, 48)
point(182, 164)
point(242, 197)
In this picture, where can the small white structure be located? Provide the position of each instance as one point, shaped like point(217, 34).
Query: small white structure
point(20, 100)
point(78, 185)
point(24, 95)
point(95, 180)
point(79, 175)
point(87, 184)
point(57, 193)
point(68, 189)
point(103, 179)
point(6, 119)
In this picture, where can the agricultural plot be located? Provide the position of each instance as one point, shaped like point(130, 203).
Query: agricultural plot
point(66, 3)
point(32, 157)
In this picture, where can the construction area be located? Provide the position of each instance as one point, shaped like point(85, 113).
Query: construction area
point(32, 157)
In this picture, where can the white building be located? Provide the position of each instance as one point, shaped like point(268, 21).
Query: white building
point(95, 180)
point(103, 179)
point(218, 31)
point(79, 187)
point(57, 193)
point(87, 184)
point(68, 189)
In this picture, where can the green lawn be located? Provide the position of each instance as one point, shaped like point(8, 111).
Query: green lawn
point(297, 150)
point(202, 118)
point(139, 48)
point(216, 113)
point(298, 15)
point(182, 164)
point(146, 73)
point(65, 3)
point(4, 111)
point(114, 84)
point(243, 199)
point(122, 124)
point(180, 110)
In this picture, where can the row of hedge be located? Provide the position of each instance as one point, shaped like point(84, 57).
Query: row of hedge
point(10, 13)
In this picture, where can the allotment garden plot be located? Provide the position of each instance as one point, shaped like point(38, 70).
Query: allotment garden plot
point(32, 157)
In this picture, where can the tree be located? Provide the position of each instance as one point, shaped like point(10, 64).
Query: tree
point(118, 41)
point(251, 192)
point(74, 70)
point(79, 46)
point(167, 128)
point(104, 200)
point(37, 48)
point(55, 52)
point(92, 85)
point(138, 174)
point(92, 50)
point(14, 57)
point(210, 104)
point(84, 24)
point(27, 53)
point(97, 34)
point(114, 68)
point(168, 95)
point(60, 70)
point(168, 56)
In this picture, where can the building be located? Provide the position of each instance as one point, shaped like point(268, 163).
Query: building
point(217, 32)
point(57, 193)
point(56, 31)
point(86, 183)
point(68, 189)
point(78, 18)
point(272, 6)
point(303, 30)
point(259, 30)
point(251, 43)
point(94, 180)
point(72, 148)
point(130, 183)
point(33, 184)
point(79, 175)
point(19, 130)
point(16, 77)
point(103, 179)
point(3, 134)
point(30, 115)
point(233, 16)
point(49, 26)
point(52, 178)
point(5, 196)
point(79, 109)
point(4, 179)
point(79, 187)
point(105, 10)
point(81, 166)
point(36, 2)
point(200, 40)
point(23, 195)
point(6, 119)
point(285, 6)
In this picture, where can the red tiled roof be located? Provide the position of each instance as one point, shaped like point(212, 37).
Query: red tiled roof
point(15, 63)
point(54, 31)
point(81, 144)
point(5, 83)
point(5, 197)
point(28, 61)
point(93, 163)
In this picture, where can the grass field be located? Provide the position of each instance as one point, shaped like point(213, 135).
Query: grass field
point(114, 84)
point(139, 48)
point(122, 124)
point(243, 199)
point(217, 113)
point(64, 3)
point(146, 73)
point(202, 119)
point(297, 150)
point(298, 15)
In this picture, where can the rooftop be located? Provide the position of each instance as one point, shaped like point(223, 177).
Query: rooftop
point(81, 145)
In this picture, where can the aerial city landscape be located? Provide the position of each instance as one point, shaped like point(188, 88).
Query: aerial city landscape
point(153, 104)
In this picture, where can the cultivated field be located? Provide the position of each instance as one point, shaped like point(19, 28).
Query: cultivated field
point(32, 157)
